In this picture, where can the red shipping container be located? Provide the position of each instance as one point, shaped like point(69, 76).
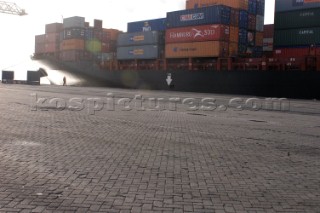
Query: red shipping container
point(292, 52)
point(52, 47)
point(251, 22)
point(52, 37)
point(54, 28)
point(40, 39)
point(40, 48)
point(268, 31)
point(107, 47)
point(198, 33)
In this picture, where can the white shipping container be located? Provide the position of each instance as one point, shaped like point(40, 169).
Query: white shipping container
point(267, 44)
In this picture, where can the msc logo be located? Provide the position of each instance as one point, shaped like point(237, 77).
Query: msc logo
point(192, 17)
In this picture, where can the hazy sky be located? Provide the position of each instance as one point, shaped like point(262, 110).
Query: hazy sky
point(17, 33)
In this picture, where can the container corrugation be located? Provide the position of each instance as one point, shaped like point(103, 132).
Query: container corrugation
point(234, 17)
point(110, 35)
point(292, 52)
point(74, 22)
point(243, 37)
point(97, 24)
point(259, 39)
point(260, 23)
point(40, 38)
point(40, 48)
point(52, 47)
point(73, 33)
point(297, 37)
point(243, 19)
point(198, 33)
point(52, 37)
point(74, 55)
point(267, 44)
point(234, 34)
point(7, 75)
point(110, 46)
point(252, 7)
point(252, 24)
point(237, 4)
point(233, 49)
point(289, 5)
point(297, 19)
point(72, 44)
point(260, 7)
point(88, 33)
point(140, 38)
point(197, 49)
point(53, 28)
point(209, 15)
point(268, 31)
point(147, 25)
point(251, 42)
point(93, 46)
point(139, 52)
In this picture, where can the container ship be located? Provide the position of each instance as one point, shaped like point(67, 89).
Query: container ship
point(212, 46)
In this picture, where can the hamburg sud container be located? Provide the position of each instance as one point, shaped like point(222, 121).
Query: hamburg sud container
point(237, 4)
point(139, 52)
point(297, 19)
point(198, 33)
point(74, 22)
point(219, 14)
point(147, 25)
point(290, 5)
point(197, 49)
point(140, 38)
point(297, 37)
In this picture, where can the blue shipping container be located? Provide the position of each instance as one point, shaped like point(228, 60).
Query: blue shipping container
point(218, 14)
point(289, 5)
point(243, 33)
point(243, 19)
point(147, 25)
point(141, 38)
point(138, 52)
point(89, 34)
point(260, 7)
point(252, 7)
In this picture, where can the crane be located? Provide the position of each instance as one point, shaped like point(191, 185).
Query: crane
point(11, 8)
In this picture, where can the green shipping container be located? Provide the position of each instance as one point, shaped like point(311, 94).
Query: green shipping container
point(297, 19)
point(297, 37)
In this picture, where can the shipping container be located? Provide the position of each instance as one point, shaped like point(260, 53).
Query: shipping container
point(260, 23)
point(243, 19)
point(292, 52)
point(197, 49)
point(234, 34)
point(260, 7)
point(108, 56)
point(97, 34)
point(33, 77)
point(7, 76)
point(93, 46)
point(74, 55)
point(257, 52)
point(86, 24)
point(139, 52)
point(97, 24)
point(52, 37)
point(233, 49)
point(209, 15)
point(259, 39)
point(72, 44)
point(297, 37)
point(268, 31)
point(140, 38)
point(110, 35)
point(234, 17)
point(243, 36)
point(40, 48)
point(74, 22)
point(52, 47)
point(237, 4)
point(88, 33)
point(252, 24)
point(73, 33)
point(198, 33)
point(242, 49)
point(289, 5)
point(40, 39)
point(252, 7)
point(110, 46)
point(147, 25)
point(297, 19)
point(53, 28)
point(267, 44)
point(251, 39)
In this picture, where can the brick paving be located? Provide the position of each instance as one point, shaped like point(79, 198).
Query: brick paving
point(55, 160)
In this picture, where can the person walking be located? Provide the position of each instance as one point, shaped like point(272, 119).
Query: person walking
point(64, 81)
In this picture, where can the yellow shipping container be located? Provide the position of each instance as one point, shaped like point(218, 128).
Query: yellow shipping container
point(237, 4)
point(72, 44)
point(197, 49)
point(234, 34)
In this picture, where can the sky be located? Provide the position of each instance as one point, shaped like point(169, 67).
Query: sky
point(17, 32)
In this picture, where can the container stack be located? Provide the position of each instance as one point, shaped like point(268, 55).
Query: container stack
point(245, 19)
point(144, 40)
point(297, 28)
point(49, 42)
point(268, 35)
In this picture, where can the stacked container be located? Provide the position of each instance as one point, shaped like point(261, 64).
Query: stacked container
point(297, 28)
point(144, 40)
point(49, 42)
point(268, 38)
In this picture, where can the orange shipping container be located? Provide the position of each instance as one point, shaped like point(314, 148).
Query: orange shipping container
point(237, 4)
point(233, 49)
point(197, 49)
point(259, 39)
point(234, 34)
point(52, 37)
point(72, 44)
point(111, 34)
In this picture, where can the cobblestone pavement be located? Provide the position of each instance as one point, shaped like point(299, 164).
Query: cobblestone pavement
point(224, 160)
